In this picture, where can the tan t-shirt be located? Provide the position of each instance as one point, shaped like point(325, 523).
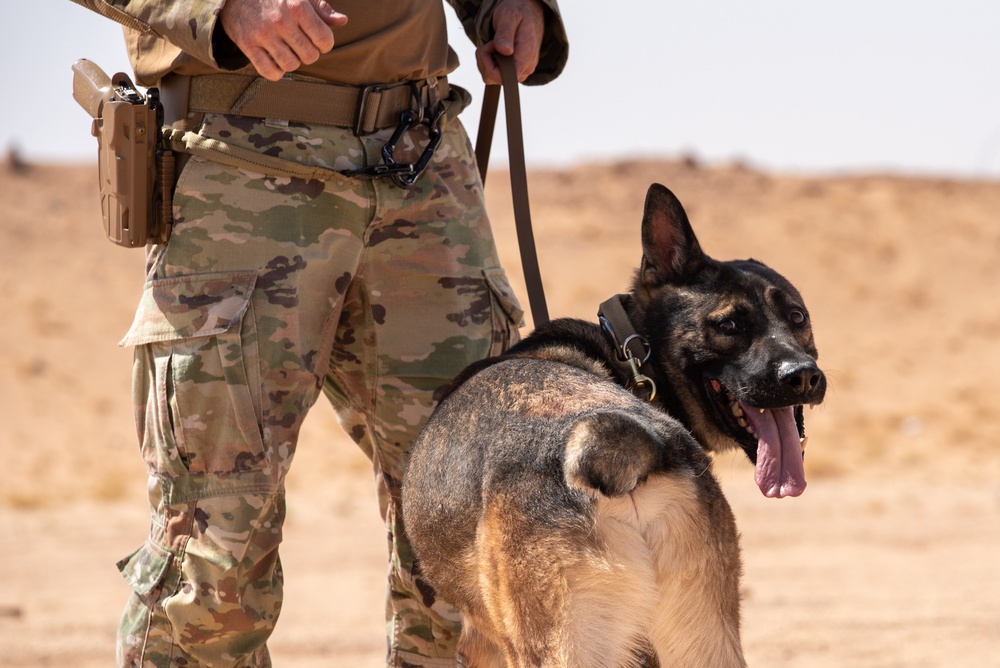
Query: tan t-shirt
point(384, 41)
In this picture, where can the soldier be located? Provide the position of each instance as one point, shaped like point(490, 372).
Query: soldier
point(272, 289)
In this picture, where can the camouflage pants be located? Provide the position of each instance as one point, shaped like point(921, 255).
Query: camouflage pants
point(271, 291)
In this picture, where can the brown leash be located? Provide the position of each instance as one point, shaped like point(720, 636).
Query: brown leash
point(518, 177)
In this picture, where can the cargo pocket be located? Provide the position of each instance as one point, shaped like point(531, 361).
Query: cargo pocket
point(143, 627)
point(508, 315)
point(144, 569)
point(203, 392)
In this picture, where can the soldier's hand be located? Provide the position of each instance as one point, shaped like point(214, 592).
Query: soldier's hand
point(279, 36)
point(520, 27)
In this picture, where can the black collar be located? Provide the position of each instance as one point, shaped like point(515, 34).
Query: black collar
point(631, 349)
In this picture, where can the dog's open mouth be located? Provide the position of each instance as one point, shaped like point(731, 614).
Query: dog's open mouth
point(773, 438)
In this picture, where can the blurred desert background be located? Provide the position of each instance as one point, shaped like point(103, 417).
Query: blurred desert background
point(890, 559)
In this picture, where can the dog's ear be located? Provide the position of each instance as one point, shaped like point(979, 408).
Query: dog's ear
point(670, 250)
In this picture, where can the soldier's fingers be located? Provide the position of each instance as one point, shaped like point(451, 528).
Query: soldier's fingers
point(283, 55)
point(518, 30)
point(317, 21)
point(262, 62)
point(487, 65)
point(278, 52)
point(514, 22)
point(280, 37)
point(526, 49)
point(304, 47)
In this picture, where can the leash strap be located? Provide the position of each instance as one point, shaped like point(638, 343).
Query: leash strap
point(518, 177)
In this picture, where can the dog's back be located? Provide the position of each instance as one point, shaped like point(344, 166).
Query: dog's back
point(572, 524)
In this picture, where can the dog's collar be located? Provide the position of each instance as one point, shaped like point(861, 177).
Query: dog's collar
point(631, 349)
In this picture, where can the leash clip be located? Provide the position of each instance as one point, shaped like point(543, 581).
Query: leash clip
point(640, 383)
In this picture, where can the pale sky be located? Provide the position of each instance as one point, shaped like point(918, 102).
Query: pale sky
point(783, 85)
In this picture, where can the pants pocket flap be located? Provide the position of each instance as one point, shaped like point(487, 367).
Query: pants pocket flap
point(497, 281)
point(185, 307)
point(144, 569)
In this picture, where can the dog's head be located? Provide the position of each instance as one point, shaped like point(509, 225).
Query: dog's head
point(733, 342)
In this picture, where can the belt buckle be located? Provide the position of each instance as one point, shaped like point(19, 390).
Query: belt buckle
point(416, 96)
point(359, 115)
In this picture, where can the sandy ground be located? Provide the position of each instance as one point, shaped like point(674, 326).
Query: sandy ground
point(890, 559)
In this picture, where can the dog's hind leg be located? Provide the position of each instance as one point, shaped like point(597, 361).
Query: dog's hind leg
point(527, 543)
point(612, 588)
point(475, 649)
point(613, 594)
point(690, 528)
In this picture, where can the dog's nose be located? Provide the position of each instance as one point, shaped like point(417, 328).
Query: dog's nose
point(804, 378)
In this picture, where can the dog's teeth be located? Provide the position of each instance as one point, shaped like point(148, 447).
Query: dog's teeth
point(761, 410)
point(742, 422)
point(736, 410)
point(804, 441)
point(750, 430)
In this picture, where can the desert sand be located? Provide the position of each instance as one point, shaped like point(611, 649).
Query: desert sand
point(891, 558)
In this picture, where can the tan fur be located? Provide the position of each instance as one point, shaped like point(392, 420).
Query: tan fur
point(655, 570)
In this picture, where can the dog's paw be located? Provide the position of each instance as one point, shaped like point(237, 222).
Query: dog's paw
point(610, 452)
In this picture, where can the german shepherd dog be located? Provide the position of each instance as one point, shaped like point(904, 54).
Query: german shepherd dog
point(573, 521)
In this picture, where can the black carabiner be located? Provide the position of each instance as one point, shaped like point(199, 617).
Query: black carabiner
point(407, 120)
point(404, 174)
point(405, 180)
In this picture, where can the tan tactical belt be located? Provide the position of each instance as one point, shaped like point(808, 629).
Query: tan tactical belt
point(366, 109)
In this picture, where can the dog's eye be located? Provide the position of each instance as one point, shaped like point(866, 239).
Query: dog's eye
point(796, 317)
point(728, 326)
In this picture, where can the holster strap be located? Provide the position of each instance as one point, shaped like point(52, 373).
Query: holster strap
point(365, 109)
point(216, 150)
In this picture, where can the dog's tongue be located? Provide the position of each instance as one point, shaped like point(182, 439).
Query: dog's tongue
point(779, 469)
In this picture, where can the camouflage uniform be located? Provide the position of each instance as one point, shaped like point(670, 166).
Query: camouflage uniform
point(273, 289)
point(269, 291)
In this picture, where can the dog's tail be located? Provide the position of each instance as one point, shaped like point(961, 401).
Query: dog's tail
point(611, 452)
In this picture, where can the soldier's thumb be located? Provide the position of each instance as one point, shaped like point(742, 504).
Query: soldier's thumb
point(503, 38)
point(329, 15)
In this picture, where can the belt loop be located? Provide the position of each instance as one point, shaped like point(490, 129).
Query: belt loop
point(433, 92)
point(175, 93)
point(418, 97)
